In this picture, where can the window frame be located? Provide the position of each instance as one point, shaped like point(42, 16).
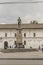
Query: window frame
point(24, 34)
point(24, 42)
point(15, 34)
point(34, 34)
point(5, 34)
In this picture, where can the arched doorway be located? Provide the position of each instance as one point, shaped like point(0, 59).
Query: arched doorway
point(5, 45)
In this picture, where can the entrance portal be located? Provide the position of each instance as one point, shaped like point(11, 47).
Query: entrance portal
point(5, 45)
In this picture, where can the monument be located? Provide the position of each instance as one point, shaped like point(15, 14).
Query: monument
point(19, 34)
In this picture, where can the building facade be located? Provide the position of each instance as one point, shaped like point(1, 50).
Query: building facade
point(21, 35)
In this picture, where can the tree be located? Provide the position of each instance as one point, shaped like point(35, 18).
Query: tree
point(35, 22)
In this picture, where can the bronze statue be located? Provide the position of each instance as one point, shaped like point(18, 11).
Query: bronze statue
point(19, 21)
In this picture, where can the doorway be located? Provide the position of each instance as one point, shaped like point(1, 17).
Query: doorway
point(5, 45)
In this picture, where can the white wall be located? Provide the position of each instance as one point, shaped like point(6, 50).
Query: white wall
point(29, 32)
point(33, 42)
point(10, 37)
point(10, 41)
point(30, 39)
point(10, 32)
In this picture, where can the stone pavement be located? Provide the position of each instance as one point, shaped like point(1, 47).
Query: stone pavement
point(36, 54)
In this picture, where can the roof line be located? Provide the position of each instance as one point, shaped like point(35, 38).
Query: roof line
point(21, 2)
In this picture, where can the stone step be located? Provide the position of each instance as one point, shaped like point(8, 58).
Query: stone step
point(18, 50)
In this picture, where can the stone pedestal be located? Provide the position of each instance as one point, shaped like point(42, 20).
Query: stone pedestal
point(19, 34)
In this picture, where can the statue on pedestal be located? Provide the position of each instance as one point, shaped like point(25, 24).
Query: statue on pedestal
point(19, 21)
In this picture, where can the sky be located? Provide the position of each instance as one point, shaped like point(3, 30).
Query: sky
point(9, 13)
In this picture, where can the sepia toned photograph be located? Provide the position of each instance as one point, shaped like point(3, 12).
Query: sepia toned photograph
point(21, 32)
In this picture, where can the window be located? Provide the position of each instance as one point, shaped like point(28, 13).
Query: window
point(24, 42)
point(15, 34)
point(34, 34)
point(15, 42)
point(5, 34)
point(24, 34)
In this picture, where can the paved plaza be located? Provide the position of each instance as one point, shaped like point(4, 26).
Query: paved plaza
point(35, 54)
point(7, 58)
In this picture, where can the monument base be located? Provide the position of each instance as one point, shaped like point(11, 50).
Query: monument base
point(20, 45)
